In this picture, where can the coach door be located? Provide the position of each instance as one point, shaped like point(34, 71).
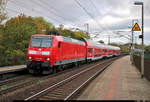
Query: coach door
point(60, 52)
point(93, 53)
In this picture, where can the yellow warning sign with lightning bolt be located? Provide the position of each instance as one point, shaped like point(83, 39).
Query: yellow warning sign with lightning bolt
point(136, 27)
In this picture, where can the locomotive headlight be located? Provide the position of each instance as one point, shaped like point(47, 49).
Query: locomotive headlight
point(48, 59)
point(32, 52)
point(45, 53)
point(30, 57)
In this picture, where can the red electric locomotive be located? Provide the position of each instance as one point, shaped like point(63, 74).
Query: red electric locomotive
point(46, 52)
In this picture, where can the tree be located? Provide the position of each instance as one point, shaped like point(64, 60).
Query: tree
point(15, 37)
point(101, 41)
point(113, 44)
point(1, 43)
point(147, 49)
point(3, 14)
point(17, 33)
point(43, 26)
point(80, 35)
point(65, 32)
point(123, 47)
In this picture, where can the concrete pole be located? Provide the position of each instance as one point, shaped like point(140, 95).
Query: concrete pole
point(87, 25)
point(132, 49)
point(135, 41)
point(108, 39)
point(132, 43)
point(142, 55)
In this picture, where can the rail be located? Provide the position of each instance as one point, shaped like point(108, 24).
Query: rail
point(70, 79)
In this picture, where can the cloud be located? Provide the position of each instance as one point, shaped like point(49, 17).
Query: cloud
point(109, 15)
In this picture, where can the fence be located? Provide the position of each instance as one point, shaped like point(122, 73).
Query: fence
point(137, 63)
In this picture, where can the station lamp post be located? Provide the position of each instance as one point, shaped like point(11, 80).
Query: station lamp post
point(142, 54)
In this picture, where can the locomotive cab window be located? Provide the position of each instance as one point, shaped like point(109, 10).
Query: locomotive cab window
point(38, 41)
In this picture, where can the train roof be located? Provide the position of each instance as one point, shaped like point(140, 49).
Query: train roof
point(41, 35)
point(117, 48)
point(90, 43)
point(95, 44)
point(112, 47)
point(71, 40)
point(62, 38)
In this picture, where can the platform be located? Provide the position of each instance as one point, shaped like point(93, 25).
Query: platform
point(120, 81)
point(4, 70)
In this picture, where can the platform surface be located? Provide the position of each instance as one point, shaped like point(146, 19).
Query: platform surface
point(120, 81)
point(9, 69)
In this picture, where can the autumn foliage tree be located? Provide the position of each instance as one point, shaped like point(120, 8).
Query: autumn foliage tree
point(1, 40)
point(16, 33)
point(101, 41)
point(3, 14)
point(80, 35)
point(42, 25)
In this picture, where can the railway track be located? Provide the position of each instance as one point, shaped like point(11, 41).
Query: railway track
point(11, 85)
point(10, 75)
point(67, 88)
point(28, 89)
point(15, 84)
point(13, 79)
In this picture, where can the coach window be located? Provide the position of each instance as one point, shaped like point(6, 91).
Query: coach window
point(89, 50)
point(106, 50)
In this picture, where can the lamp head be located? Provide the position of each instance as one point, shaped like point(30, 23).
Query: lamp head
point(138, 3)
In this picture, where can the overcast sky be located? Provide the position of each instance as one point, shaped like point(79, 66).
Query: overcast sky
point(105, 17)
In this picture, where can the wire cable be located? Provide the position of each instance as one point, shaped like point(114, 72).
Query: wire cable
point(37, 12)
point(91, 16)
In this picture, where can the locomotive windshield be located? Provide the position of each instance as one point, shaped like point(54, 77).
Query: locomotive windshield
point(38, 41)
